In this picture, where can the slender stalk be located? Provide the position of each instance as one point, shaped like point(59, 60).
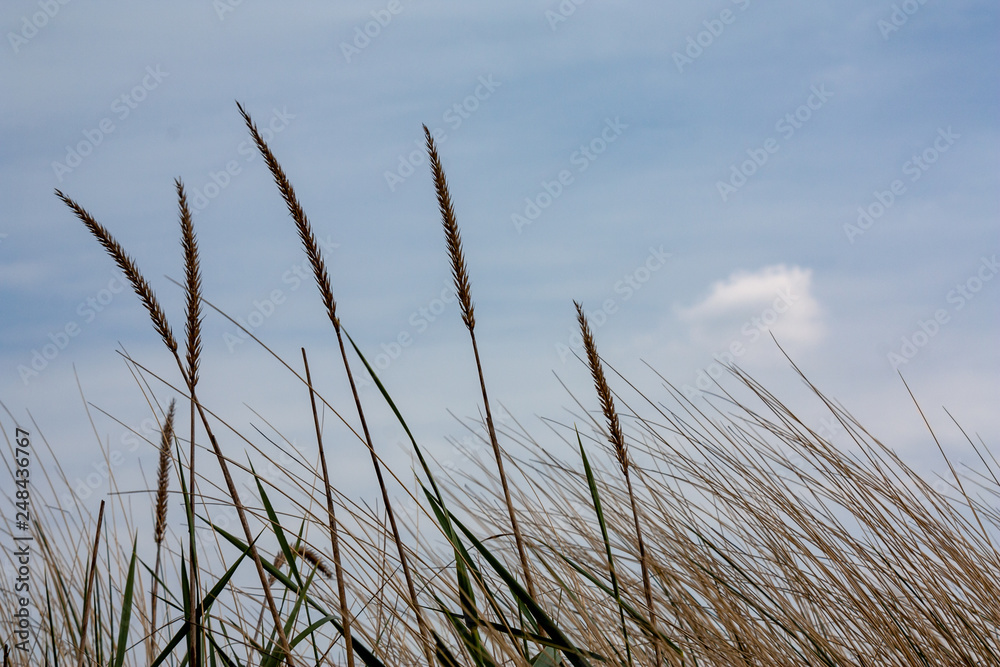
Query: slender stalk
point(617, 439)
point(463, 290)
point(322, 276)
point(90, 585)
point(345, 615)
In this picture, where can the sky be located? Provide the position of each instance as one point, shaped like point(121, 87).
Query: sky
point(699, 175)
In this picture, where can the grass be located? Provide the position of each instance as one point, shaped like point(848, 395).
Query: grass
point(662, 533)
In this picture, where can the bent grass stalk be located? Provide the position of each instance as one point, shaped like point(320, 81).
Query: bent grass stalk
point(345, 615)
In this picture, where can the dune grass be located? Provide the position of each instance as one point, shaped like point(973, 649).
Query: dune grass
point(660, 533)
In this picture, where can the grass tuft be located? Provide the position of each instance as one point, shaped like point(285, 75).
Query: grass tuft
point(715, 533)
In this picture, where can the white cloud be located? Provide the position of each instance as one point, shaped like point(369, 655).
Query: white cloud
point(747, 305)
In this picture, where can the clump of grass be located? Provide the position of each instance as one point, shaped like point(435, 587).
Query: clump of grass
point(731, 534)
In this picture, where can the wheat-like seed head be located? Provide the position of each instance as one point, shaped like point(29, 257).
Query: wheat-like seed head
point(128, 267)
point(301, 222)
point(307, 554)
point(192, 280)
point(163, 473)
point(317, 561)
point(454, 239)
point(603, 390)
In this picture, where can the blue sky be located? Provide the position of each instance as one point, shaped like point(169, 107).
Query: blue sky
point(696, 174)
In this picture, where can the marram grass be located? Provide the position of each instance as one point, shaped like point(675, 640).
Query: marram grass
point(668, 535)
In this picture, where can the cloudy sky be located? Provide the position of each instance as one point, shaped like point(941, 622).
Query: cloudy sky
point(699, 175)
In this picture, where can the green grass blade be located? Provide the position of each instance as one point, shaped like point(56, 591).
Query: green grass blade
point(545, 623)
point(207, 601)
point(471, 641)
point(467, 595)
point(641, 620)
point(399, 417)
point(592, 483)
point(464, 560)
point(126, 611)
point(52, 630)
point(217, 650)
point(279, 532)
point(359, 648)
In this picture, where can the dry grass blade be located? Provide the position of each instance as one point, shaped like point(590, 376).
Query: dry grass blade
point(617, 439)
point(128, 267)
point(345, 614)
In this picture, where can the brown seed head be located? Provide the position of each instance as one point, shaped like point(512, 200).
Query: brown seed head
point(128, 267)
point(451, 233)
point(163, 473)
point(306, 234)
point(603, 390)
point(192, 279)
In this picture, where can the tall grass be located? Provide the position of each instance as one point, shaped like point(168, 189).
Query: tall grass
point(650, 531)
